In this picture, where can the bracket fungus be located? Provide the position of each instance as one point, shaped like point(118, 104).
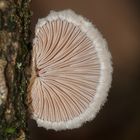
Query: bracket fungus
point(71, 71)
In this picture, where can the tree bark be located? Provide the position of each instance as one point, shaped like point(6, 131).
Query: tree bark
point(14, 62)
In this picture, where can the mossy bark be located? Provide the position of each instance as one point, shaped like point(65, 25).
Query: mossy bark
point(15, 59)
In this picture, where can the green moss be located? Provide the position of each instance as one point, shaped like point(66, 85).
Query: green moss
point(10, 130)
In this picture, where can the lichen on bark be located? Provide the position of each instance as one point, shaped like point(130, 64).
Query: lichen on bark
point(14, 51)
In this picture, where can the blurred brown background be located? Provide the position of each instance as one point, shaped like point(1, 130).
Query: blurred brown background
point(119, 22)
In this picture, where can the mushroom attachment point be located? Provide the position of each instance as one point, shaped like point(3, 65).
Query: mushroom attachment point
point(71, 71)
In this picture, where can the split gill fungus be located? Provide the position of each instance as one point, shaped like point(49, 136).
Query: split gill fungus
point(71, 71)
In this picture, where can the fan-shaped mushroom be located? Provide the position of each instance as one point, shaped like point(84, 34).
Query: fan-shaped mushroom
point(71, 71)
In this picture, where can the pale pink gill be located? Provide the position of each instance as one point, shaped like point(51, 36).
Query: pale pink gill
point(67, 72)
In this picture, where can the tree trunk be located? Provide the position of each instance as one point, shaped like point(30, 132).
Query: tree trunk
point(14, 62)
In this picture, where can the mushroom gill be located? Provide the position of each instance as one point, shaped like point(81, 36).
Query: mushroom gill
point(71, 71)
